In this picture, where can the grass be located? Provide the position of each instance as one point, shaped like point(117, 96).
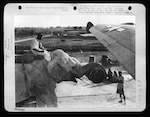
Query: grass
point(78, 47)
point(68, 44)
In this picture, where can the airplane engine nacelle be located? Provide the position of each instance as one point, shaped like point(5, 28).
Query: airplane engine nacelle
point(95, 72)
point(97, 75)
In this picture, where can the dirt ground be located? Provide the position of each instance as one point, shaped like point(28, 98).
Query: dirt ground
point(87, 94)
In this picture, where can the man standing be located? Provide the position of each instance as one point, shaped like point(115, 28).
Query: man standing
point(120, 87)
point(110, 75)
point(38, 49)
point(115, 76)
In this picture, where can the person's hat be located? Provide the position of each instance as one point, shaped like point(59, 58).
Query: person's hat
point(39, 36)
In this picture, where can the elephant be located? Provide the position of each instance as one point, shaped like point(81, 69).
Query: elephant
point(38, 77)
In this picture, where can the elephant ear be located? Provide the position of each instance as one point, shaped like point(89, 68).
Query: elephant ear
point(58, 72)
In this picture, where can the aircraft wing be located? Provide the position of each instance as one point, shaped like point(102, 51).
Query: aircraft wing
point(29, 39)
point(119, 40)
point(23, 40)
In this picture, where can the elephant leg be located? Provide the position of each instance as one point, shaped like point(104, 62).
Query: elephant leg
point(46, 95)
point(39, 102)
point(49, 100)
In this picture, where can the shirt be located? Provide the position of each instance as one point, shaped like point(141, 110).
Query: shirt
point(36, 45)
point(120, 82)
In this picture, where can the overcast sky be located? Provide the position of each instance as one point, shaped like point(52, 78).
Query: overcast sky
point(71, 20)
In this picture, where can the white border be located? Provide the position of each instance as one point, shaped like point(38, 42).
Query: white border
point(11, 10)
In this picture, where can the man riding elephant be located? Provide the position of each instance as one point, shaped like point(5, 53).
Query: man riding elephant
point(38, 49)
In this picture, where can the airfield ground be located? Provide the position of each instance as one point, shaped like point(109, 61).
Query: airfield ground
point(87, 94)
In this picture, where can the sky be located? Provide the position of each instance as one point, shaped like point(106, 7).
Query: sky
point(69, 20)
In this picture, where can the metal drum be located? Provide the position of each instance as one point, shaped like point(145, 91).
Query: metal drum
point(92, 58)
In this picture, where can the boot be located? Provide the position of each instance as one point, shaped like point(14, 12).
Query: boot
point(120, 101)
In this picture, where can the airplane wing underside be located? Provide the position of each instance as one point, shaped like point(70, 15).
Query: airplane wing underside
point(123, 52)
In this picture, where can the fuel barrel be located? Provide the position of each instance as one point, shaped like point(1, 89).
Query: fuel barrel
point(92, 58)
